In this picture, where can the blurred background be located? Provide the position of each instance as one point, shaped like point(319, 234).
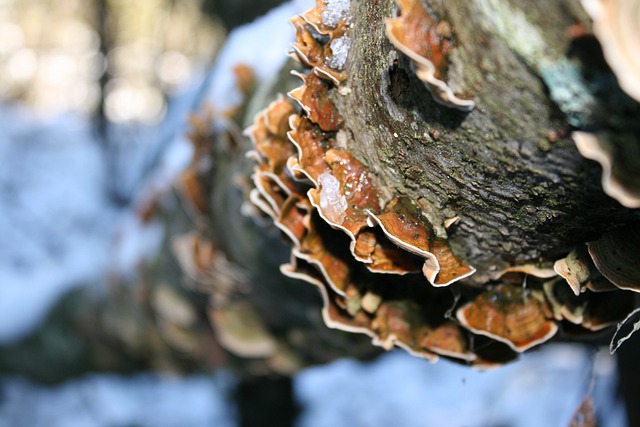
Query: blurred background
point(97, 324)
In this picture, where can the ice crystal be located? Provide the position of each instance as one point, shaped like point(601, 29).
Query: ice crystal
point(340, 49)
point(332, 203)
point(335, 11)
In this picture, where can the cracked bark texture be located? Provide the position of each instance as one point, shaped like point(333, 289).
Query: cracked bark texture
point(509, 169)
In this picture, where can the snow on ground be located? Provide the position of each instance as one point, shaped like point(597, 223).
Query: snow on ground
point(60, 228)
point(542, 389)
point(143, 400)
point(263, 45)
point(54, 218)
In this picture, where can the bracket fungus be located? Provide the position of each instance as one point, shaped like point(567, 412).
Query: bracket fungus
point(616, 25)
point(313, 97)
point(404, 224)
point(575, 270)
point(617, 257)
point(361, 256)
point(381, 257)
point(511, 314)
point(416, 34)
point(619, 156)
point(615, 143)
point(239, 329)
point(318, 34)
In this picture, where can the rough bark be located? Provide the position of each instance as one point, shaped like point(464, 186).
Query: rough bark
point(509, 168)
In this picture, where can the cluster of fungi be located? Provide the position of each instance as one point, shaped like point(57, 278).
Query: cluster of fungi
point(383, 269)
point(380, 258)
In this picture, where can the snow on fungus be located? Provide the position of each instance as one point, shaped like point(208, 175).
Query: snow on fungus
point(417, 35)
point(340, 50)
point(315, 40)
point(357, 187)
point(511, 314)
point(332, 202)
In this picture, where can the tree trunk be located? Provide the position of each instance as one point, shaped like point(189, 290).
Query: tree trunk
point(509, 169)
point(499, 188)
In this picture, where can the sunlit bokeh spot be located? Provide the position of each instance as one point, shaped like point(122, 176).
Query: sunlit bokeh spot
point(129, 58)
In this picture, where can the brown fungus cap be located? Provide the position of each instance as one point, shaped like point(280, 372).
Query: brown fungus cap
point(350, 305)
point(319, 247)
point(312, 144)
point(205, 267)
point(564, 303)
point(448, 340)
point(312, 45)
point(541, 271)
point(333, 314)
point(415, 33)
point(511, 314)
point(293, 218)
point(353, 184)
point(196, 257)
point(269, 137)
point(402, 221)
point(606, 309)
point(264, 207)
point(313, 97)
point(381, 255)
point(617, 256)
point(270, 190)
point(191, 181)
